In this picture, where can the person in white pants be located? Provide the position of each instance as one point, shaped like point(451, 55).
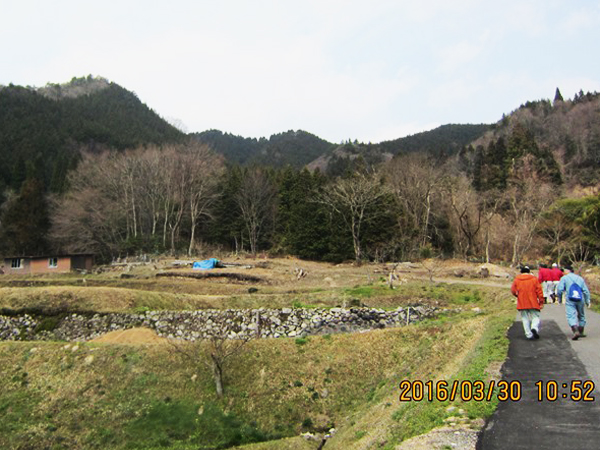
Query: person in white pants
point(530, 301)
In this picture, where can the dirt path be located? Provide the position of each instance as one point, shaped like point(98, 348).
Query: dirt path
point(477, 282)
point(135, 336)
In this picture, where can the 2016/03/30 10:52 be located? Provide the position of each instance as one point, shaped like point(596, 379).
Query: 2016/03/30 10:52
point(503, 390)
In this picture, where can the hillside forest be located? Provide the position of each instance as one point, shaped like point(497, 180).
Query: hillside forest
point(86, 167)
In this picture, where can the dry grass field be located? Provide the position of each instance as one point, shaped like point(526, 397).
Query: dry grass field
point(133, 390)
point(124, 288)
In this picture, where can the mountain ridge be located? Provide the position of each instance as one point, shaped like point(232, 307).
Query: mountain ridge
point(55, 122)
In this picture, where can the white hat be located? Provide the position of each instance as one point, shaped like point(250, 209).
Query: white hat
point(554, 265)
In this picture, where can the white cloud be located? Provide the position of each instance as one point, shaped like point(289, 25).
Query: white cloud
point(456, 56)
point(582, 19)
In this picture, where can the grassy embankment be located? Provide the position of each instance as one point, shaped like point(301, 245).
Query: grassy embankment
point(59, 395)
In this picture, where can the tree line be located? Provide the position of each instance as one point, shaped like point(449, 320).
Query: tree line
point(501, 198)
point(184, 199)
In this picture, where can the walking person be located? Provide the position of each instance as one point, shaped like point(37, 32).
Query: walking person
point(554, 274)
point(544, 279)
point(530, 301)
point(577, 296)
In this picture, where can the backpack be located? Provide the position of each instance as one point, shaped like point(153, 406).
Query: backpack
point(575, 293)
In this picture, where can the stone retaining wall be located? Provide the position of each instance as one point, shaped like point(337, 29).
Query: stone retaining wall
point(193, 325)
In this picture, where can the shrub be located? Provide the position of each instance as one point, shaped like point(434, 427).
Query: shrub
point(167, 423)
point(47, 324)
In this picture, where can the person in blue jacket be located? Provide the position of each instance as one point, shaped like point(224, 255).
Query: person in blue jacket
point(577, 296)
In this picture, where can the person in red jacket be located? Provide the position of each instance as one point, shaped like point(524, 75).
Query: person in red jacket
point(530, 301)
point(555, 275)
point(544, 279)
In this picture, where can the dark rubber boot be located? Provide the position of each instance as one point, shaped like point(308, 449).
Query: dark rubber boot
point(580, 329)
point(575, 333)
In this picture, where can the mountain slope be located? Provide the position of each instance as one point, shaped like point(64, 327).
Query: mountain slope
point(42, 129)
point(294, 148)
point(300, 148)
point(445, 140)
point(561, 137)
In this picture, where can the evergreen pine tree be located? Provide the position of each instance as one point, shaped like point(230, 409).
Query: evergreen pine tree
point(308, 234)
point(227, 227)
point(558, 96)
point(478, 182)
point(25, 222)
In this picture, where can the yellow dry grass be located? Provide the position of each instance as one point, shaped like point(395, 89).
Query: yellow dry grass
point(134, 336)
point(99, 299)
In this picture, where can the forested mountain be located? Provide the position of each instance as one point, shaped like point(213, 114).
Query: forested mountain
point(300, 148)
point(561, 138)
point(42, 130)
point(440, 142)
point(294, 148)
point(503, 191)
point(443, 140)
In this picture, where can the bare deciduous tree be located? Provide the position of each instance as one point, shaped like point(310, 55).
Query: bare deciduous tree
point(216, 351)
point(203, 167)
point(351, 198)
point(116, 196)
point(464, 203)
point(560, 231)
point(90, 216)
point(416, 181)
point(490, 204)
point(256, 200)
point(527, 200)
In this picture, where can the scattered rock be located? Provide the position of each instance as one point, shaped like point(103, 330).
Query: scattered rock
point(310, 437)
point(456, 438)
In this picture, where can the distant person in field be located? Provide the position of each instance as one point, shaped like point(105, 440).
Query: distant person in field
point(530, 301)
point(544, 279)
point(555, 275)
point(577, 296)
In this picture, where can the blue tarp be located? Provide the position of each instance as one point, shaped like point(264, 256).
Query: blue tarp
point(207, 264)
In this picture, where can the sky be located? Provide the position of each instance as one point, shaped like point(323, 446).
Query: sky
point(370, 70)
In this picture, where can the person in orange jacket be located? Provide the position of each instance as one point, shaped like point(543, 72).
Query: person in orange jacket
point(530, 301)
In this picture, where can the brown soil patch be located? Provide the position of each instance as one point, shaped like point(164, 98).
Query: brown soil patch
point(134, 336)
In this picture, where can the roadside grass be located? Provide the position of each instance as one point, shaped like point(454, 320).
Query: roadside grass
point(595, 302)
point(386, 421)
point(481, 364)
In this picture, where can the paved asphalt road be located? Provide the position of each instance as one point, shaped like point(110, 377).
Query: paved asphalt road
point(561, 424)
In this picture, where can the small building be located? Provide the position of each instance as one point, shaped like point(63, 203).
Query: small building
point(27, 265)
